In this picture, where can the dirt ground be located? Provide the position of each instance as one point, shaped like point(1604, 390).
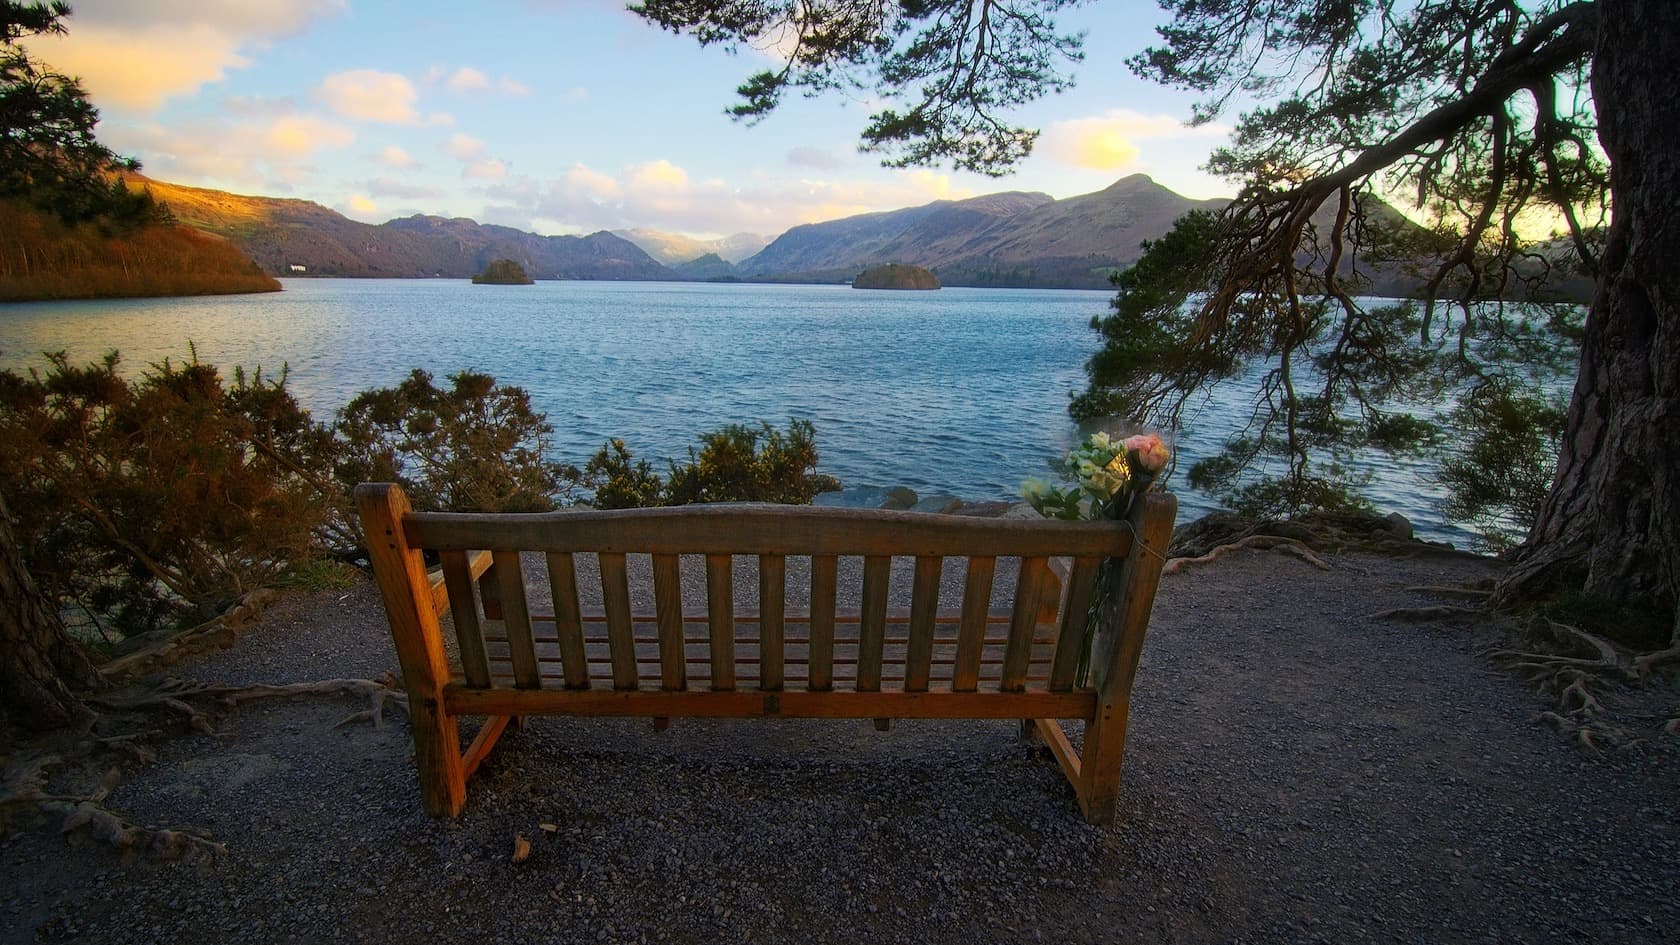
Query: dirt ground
point(1297, 771)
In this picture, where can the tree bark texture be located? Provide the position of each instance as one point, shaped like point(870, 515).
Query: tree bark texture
point(40, 666)
point(1611, 524)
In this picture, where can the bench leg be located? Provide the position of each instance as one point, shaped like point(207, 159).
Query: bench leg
point(437, 755)
point(400, 571)
point(661, 723)
point(1099, 766)
point(883, 725)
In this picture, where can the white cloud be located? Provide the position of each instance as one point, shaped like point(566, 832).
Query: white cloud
point(394, 156)
point(662, 195)
point(511, 86)
point(464, 147)
point(370, 95)
point(136, 56)
point(1109, 142)
point(487, 169)
point(467, 79)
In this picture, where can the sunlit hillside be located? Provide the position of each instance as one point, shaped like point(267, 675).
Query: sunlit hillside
point(42, 258)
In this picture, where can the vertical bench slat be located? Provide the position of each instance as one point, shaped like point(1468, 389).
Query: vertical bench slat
point(872, 623)
point(1070, 638)
point(667, 600)
point(516, 616)
point(772, 591)
point(720, 613)
point(457, 579)
point(621, 639)
point(824, 573)
point(977, 602)
point(1029, 587)
point(568, 619)
point(924, 606)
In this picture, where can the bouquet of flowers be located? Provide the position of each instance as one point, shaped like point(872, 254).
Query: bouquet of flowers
point(1106, 475)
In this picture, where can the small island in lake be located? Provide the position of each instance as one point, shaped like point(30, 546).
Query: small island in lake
point(896, 276)
point(502, 272)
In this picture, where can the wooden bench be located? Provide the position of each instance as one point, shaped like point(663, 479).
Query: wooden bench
point(976, 660)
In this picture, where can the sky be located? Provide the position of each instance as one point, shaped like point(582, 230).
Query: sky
point(559, 116)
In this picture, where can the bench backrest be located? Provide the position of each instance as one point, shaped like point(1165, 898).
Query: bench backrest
point(996, 605)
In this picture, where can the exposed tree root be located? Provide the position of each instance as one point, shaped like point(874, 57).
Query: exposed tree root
point(24, 780)
point(24, 788)
point(1288, 546)
point(1585, 661)
point(176, 697)
point(1644, 664)
point(1433, 612)
point(164, 649)
point(1444, 590)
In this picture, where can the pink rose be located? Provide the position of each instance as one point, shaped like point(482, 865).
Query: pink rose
point(1148, 452)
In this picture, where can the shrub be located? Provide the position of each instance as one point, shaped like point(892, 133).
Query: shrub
point(734, 464)
point(165, 497)
point(474, 446)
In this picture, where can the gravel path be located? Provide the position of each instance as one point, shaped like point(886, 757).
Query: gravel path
point(1296, 773)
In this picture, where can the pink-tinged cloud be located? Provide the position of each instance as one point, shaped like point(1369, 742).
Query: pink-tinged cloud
point(302, 135)
point(370, 95)
point(136, 56)
point(464, 147)
point(393, 156)
point(140, 70)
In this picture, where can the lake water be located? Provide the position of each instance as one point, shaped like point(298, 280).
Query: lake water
point(962, 391)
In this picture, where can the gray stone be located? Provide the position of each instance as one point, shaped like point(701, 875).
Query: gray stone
point(900, 497)
point(867, 497)
point(1399, 525)
point(939, 503)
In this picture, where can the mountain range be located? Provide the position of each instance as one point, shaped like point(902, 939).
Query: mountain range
point(1012, 239)
point(1006, 239)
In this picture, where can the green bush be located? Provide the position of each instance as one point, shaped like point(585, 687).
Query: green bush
point(158, 498)
point(734, 464)
point(474, 446)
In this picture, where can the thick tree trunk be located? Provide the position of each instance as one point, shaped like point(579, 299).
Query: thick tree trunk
point(1611, 525)
point(40, 666)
